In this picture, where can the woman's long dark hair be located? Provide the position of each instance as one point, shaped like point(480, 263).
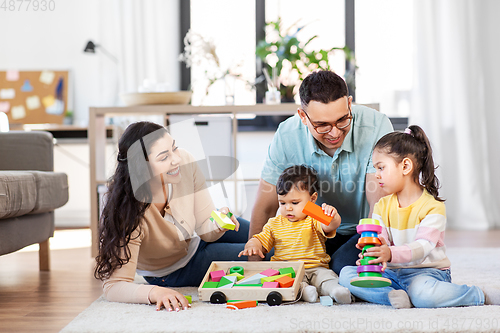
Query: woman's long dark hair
point(413, 144)
point(125, 206)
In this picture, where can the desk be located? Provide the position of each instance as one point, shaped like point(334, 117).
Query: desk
point(97, 137)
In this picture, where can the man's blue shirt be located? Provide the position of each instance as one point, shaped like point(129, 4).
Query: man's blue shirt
point(341, 177)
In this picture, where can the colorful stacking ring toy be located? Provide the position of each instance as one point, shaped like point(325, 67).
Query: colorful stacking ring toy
point(369, 275)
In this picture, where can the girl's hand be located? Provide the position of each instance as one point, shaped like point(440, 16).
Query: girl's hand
point(168, 298)
point(252, 251)
point(225, 210)
point(383, 252)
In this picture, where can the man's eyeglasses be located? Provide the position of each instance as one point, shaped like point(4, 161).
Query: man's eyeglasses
point(326, 128)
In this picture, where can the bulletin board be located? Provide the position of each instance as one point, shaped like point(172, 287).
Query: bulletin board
point(34, 97)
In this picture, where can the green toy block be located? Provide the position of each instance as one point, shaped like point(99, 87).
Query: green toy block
point(226, 282)
point(238, 275)
point(210, 284)
point(223, 220)
point(249, 285)
point(272, 278)
point(189, 299)
point(287, 270)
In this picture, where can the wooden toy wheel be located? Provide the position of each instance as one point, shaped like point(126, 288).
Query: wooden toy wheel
point(218, 297)
point(274, 298)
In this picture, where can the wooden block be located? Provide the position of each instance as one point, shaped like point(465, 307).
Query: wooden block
point(273, 278)
point(254, 279)
point(271, 285)
point(226, 282)
point(237, 269)
point(210, 284)
point(217, 275)
point(287, 270)
point(223, 220)
point(270, 272)
point(241, 305)
point(259, 285)
point(285, 281)
point(238, 276)
point(316, 212)
point(326, 300)
point(189, 299)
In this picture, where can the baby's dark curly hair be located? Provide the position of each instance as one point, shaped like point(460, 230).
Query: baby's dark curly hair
point(303, 177)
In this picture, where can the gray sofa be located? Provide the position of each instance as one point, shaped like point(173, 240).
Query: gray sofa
point(29, 192)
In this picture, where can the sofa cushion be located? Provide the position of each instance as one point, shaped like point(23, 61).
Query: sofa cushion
point(17, 193)
point(31, 192)
point(52, 191)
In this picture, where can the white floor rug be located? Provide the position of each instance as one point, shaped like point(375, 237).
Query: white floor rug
point(472, 266)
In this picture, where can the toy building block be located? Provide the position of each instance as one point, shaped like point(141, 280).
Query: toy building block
point(226, 282)
point(258, 285)
point(238, 276)
point(287, 270)
point(271, 285)
point(316, 212)
point(285, 281)
point(210, 284)
point(241, 305)
point(224, 221)
point(272, 278)
point(217, 275)
point(369, 275)
point(189, 299)
point(270, 272)
point(237, 269)
point(254, 279)
point(326, 300)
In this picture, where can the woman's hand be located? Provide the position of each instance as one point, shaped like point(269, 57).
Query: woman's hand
point(168, 298)
point(225, 210)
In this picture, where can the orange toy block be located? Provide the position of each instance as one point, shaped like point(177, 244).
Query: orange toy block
point(316, 212)
point(241, 305)
point(285, 281)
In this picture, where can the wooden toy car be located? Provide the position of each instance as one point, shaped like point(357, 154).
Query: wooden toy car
point(273, 296)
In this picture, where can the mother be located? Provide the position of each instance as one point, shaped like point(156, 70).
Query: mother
point(157, 209)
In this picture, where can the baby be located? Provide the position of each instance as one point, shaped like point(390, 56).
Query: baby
point(298, 237)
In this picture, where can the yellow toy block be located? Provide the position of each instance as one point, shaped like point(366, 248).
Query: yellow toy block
point(223, 220)
point(238, 275)
point(273, 278)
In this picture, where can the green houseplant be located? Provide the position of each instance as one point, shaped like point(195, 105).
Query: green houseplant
point(282, 49)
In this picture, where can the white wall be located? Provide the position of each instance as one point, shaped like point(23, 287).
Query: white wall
point(32, 40)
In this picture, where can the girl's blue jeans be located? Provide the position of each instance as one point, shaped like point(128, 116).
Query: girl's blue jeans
point(225, 248)
point(426, 287)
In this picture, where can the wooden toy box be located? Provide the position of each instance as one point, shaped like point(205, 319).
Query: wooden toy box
point(251, 268)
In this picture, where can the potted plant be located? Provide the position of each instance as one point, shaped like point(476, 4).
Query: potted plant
point(293, 62)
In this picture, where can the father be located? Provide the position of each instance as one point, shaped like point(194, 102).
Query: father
point(336, 138)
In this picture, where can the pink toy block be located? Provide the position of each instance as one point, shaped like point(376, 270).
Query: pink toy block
point(271, 285)
point(270, 272)
point(217, 275)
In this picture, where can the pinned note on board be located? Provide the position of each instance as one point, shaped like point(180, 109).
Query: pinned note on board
point(27, 87)
point(4, 106)
point(12, 75)
point(48, 101)
point(18, 112)
point(7, 93)
point(33, 102)
point(47, 77)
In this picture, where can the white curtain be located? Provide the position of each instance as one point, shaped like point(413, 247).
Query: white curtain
point(456, 101)
point(144, 37)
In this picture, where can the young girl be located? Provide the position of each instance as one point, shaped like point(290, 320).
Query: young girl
point(414, 220)
point(298, 237)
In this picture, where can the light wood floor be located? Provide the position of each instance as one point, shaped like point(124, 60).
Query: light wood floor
point(33, 301)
